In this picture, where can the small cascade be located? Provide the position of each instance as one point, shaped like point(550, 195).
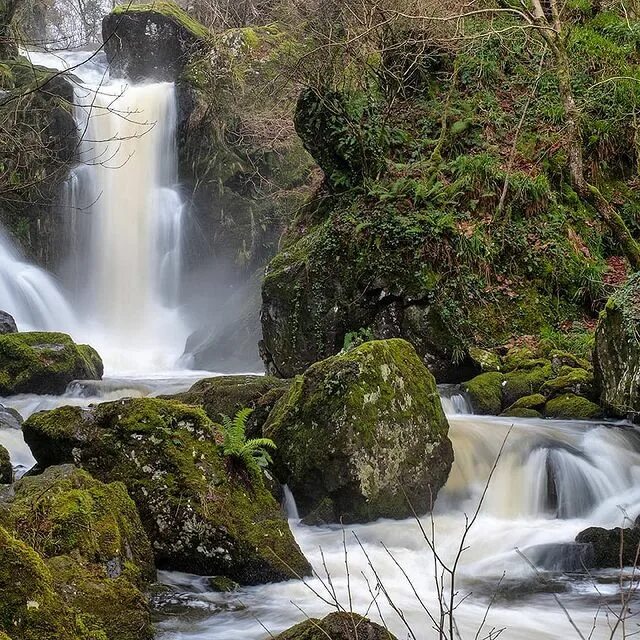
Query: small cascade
point(30, 294)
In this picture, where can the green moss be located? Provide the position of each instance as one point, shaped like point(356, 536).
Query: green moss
point(534, 401)
point(202, 515)
point(364, 428)
point(571, 379)
point(170, 10)
point(487, 360)
point(6, 470)
point(521, 412)
point(485, 393)
point(570, 406)
point(40, 362)
point(525, 382)
point(337, 626)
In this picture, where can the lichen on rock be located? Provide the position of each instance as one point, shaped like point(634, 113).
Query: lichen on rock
point(365, 431)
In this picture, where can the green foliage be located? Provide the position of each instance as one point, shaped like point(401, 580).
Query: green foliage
point(252, 453)
point(356, 338)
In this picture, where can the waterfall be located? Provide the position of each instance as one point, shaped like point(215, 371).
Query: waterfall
point(30, 294)
point(124, 219)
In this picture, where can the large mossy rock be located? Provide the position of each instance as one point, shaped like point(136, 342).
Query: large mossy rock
point(617, 352)
point(40, 362)
point(30, 608)
point(92, 540)
point(226, 395)
point(152, 41)
point(202, 514)
point(362, 435)
point(337, 626)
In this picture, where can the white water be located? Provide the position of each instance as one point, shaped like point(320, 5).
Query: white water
point(125, 221)
point(596, 472)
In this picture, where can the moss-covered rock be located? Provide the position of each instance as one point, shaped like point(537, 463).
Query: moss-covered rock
point(93, 543)
point(570, 406)
point(40, 362)
point(226, 395)
point(6, 470)
point(521, 412)
point(485, 393)
point(201, 513)
point(152, 41)
point(337, 626)
point(617, 352)
point(364, 429)
point(570, 380)
point(486, 360)
point(525, 382)
point(30, 609)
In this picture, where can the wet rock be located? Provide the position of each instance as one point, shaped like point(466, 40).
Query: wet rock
point(152, 41)
point(202, 514)
point(40, 362)
point(6, 470)
point(226, 395)
point(485, 393)
point(337, 626)
point(362, 435)
point(7, 323)
point(9, 418)
point(612, 548)
point(617, 352)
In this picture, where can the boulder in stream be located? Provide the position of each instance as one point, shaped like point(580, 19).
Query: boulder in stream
point(362, 435)
point(202, 514)
point(7, 323)
point(612, 548)
point(337, 626)
point(44, 363)
point(6, 470)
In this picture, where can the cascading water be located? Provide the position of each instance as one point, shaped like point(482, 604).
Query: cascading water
point(124, 216)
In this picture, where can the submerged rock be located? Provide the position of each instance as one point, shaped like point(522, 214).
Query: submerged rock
point(337, 626)
point(201, 513)
point(152, 41)
point(41, 362)
point(612, 548)
point(91, 539)
point(6, 470)
point(362, 435)
point(617, 352)
point(7, 323)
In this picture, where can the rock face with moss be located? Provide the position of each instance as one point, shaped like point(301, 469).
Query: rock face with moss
point(529, 384)
point(362, 435)
point(617, 351)
point(337, 626)
point(202, 514)
point(40, 362)
point(226, 395)
point(152, 41)
point(6, 470)
point(90, 537)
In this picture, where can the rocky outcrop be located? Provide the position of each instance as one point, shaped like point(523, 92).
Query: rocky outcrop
point(91, 540)
point(362, 436)
point(201, 513)
point(152, 41)
point(617, 352)
point(612, 548)
point(45, 363)
point(7, 323)
point(6, 470)
point(525, 384)
point(337, 626)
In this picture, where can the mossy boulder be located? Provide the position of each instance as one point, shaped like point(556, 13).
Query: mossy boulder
point(364, 430)
point(152, 41)
point(202, 514)
point(41, 362)
point(617, 352)
point(30, 608)
point(337, 626)
point(572, 407)
point(226, 395)
point(611, 547)
point(574, 380)
point(485, 393)
point(521, 412)
point(93, 543)
point(6, 470)
point(524, 382)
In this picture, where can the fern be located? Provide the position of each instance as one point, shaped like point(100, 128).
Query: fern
point(253, 454)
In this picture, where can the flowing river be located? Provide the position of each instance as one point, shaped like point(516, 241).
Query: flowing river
point(519, 572)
